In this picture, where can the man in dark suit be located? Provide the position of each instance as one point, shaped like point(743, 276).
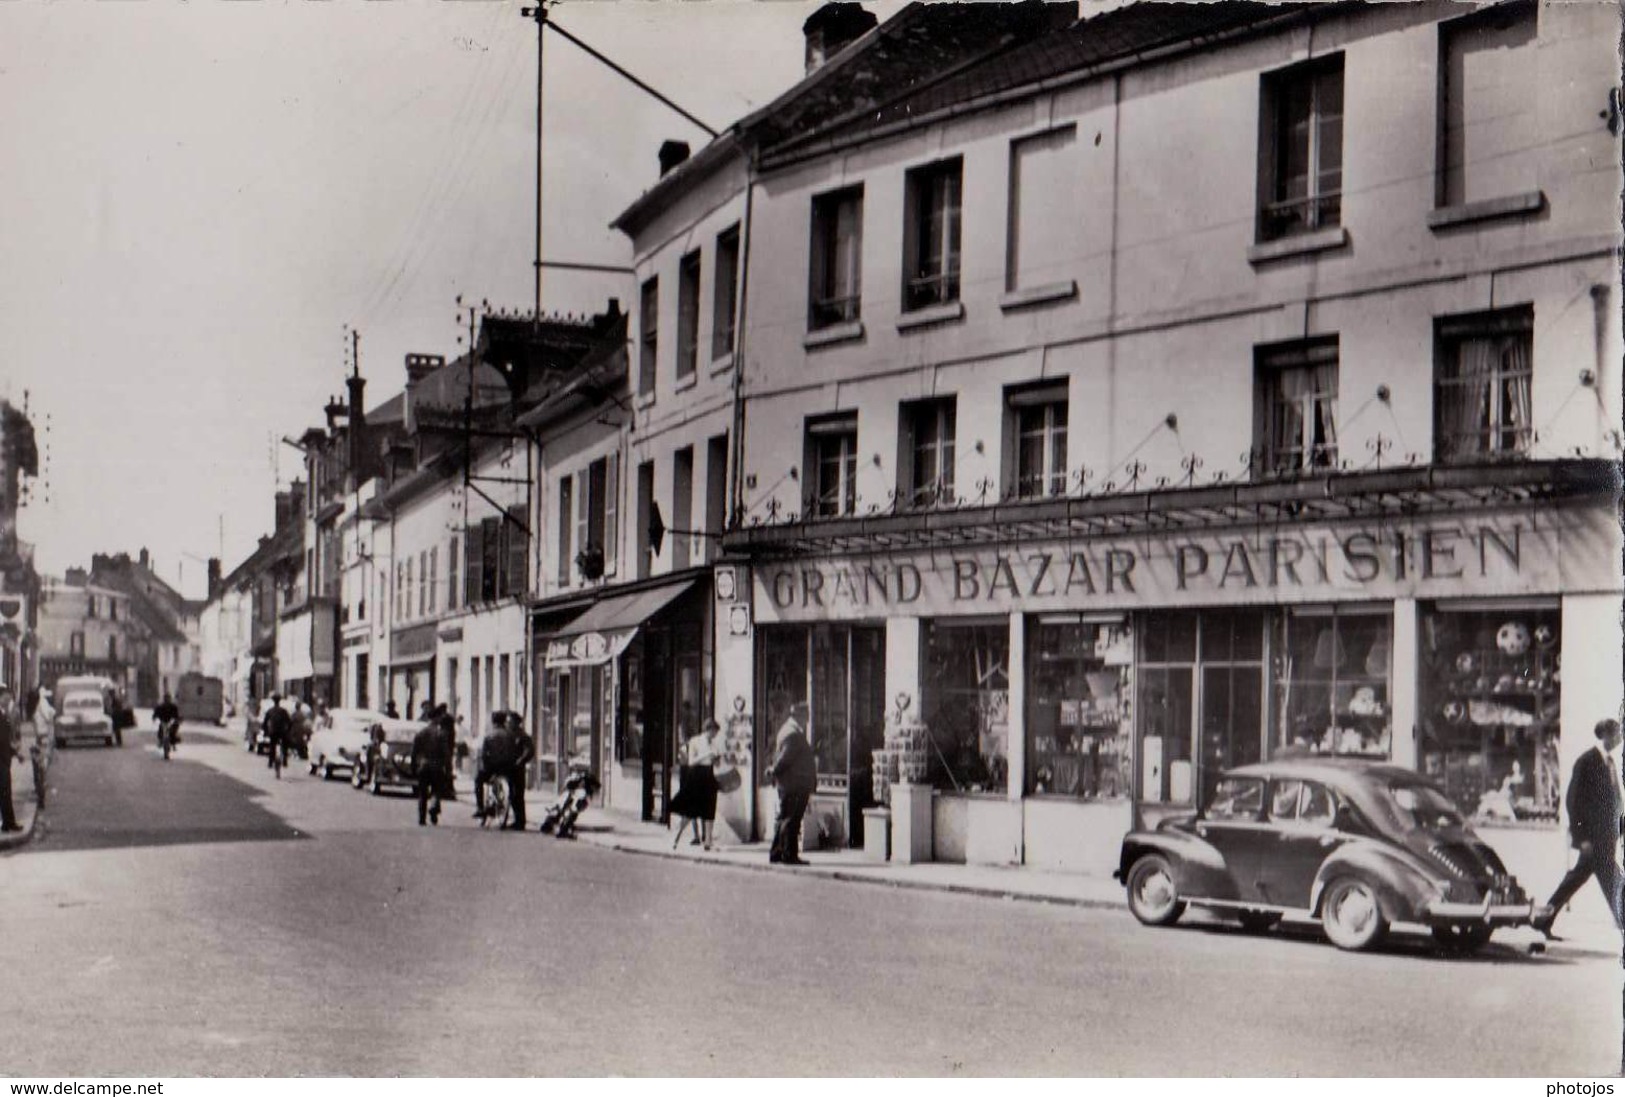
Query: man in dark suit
point(8, 751)
point(795, 771)
point(432, 767)
point(1594, 807)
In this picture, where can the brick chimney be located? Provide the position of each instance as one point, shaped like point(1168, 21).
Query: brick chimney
point(832, 28)
point(419, 366)
point(672, 153)
point(358, 426)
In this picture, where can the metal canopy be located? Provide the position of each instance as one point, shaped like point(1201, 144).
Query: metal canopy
point(1389, 493)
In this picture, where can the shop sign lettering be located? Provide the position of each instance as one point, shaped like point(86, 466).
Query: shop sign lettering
point(1313, 564)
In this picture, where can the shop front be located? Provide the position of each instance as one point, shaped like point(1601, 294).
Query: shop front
point(411, 674)
point(1100, 676)
point(624, 684)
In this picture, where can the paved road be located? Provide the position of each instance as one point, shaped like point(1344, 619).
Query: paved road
point(199, 917)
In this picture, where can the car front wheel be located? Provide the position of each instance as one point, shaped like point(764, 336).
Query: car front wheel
point(1352, 915)
point(1462, 939)
point(1153, 897)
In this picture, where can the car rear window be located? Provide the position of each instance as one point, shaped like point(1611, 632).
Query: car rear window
point(1237, 798)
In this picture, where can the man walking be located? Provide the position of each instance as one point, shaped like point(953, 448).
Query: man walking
point(795, 772)
point(8, 751)
point(1594, 806)
point(430, 766)
point(278, 730)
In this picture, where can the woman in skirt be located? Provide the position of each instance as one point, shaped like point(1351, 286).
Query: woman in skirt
point(696, 801)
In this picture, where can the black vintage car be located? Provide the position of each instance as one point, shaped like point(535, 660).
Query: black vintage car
point(1358, 844)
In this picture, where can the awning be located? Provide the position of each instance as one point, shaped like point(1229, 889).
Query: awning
point(604, 631)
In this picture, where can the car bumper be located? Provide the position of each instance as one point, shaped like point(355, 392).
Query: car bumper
point(1489, 913)
point(83, 733)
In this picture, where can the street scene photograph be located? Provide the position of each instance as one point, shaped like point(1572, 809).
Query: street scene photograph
point(811, 538)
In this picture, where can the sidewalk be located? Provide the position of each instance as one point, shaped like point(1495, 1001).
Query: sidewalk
point(23, 800)
point(612, 830)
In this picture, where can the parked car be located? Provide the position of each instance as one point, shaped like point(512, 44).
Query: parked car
point(1360, 845)
point(342, 743)
point(389, 758)
point(81, 716)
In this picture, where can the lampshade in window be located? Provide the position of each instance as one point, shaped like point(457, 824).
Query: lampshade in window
point(1328, 652)
point(1376, 660)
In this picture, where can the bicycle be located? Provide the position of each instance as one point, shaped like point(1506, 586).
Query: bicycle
point(168, 737)
point(497, 805)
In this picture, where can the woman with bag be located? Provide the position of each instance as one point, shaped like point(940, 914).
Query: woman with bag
point(696, 801)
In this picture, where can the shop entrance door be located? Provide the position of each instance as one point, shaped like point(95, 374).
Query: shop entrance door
point(657, 725)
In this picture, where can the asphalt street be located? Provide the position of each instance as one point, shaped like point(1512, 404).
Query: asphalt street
point(199, 917)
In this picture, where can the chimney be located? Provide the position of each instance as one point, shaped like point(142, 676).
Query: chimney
point(419, 366)
point(335, 410)
point(214, 577)
point(146, 560)
point(358, 426)
point(76, 577)
point(672, 153)
point(831, 29)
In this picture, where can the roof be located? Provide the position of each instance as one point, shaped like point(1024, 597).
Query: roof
point(913, 49)
point(1015, 64)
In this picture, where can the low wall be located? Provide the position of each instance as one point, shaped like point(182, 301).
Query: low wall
point(1074, 836)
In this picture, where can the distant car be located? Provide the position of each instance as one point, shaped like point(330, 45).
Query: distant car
point(1360, 845)
point(342, 744)
point(82, 717)
point(389, 762)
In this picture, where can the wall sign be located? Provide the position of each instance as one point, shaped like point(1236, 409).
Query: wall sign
point(1555, 550)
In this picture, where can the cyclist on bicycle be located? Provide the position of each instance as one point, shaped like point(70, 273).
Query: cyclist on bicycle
point(505, 753)
point(167, 715)
point(278, 730)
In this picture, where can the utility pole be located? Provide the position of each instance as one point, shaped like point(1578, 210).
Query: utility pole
point(539, 14)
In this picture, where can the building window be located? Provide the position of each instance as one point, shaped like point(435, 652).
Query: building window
point(515, 553)
point(1332, 681)
point(1487, 94)
point(423, 582)
point(1079, 725)
point(965, 702)
point(716, 494)
point(682, 506)
point(1490, 691)
point(1043, 209)
point(931, 235)
point(112, 609)
point(91, 610)
point(725, 292)
point(1035, 450)
point(649, 333)
point(926, 453)
point(434, 575)
point(646, 502)
point(1302, 150)
point(1295, 419)
point(410, 589)
point(688, 315)
point(76, 645)
point(831, 461)
point(112, 648)
point(595, 514)
point(837, 260)
point(1483, 371)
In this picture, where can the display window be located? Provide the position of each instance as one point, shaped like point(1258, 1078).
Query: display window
point(1333, 681)
point(1491, 687)
point(1079, 723)
point(966, 703)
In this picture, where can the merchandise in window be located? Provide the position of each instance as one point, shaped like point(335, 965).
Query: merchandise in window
point(1491, 688)
point(1333, 675)
point(966, 704)
point(1079, 724)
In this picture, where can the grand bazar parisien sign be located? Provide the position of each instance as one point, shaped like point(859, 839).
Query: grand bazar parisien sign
point(1528, 554)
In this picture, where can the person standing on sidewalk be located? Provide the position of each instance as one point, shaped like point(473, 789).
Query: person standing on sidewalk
point(8, 751)
point(795, 772)
point(1594, 807)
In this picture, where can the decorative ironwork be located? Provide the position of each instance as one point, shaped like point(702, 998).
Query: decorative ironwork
point(985, 487)
point(773, 508)
point(1378, 445)
point(1190, 463)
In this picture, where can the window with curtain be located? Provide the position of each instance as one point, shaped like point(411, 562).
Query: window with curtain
point(1483, 374)
point(931, 235)
point(1296, 423)
point(926, 452)
point(1036, 430)
point(832, 464)
point(1303, 161)
point(837, 245)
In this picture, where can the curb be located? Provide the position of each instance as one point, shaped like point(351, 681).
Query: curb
point(847, 876)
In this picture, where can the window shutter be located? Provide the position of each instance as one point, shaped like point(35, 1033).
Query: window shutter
point(905, 455)
point(475, 564)
point(566, 524)
point(491, 562)
point(583, 509)
point(518, 538)
point(612, 527)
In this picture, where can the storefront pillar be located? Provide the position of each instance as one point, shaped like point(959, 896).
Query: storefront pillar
point(903, 661)
point(1406, 683)
point(1591, 686)
point(1016, 744)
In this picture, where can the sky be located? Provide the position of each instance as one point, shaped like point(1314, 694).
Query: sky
point(198, 197)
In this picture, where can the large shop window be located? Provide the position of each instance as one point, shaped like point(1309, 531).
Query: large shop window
point(1200, 688)
point(1333, 682)
point(839, 671)
point(1079, 679)
point(1489, 702)
point(966, 703)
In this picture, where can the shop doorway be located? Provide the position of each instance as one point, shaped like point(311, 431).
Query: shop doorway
point(839, 671)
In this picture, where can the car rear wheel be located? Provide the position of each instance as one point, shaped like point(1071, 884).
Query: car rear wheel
point(1352, 915)
point(1462, 939)
point(1258, 921)
point(1153, 897)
